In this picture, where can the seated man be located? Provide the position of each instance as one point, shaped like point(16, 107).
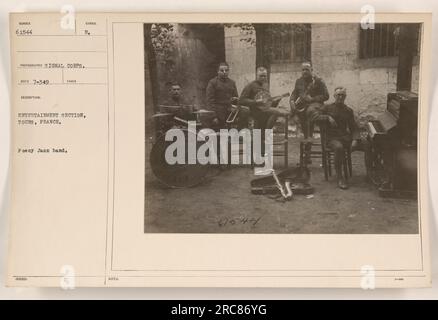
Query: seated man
point(171, 104)
point(177, 104)
point(176, 97)
point(308, 96)
point(257, 97)
point(342, 130)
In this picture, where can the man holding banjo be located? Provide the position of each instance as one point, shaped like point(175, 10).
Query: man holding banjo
point(262, 106)
point(257, 97)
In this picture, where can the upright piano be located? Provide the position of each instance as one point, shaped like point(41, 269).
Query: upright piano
point(391, 152)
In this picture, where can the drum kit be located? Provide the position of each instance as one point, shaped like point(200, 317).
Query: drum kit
point(178, 116)
point(171, 117)
point(186, 175)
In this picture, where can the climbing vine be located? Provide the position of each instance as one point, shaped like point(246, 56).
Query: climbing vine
point(163, 41)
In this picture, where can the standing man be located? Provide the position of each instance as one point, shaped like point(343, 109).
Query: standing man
point(221, 92)
point(307, 98)
point(342, 130)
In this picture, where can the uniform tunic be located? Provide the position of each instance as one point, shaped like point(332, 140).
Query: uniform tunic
point(346, 128)
point(219, 94)
point(247, 98)
point(317, 90)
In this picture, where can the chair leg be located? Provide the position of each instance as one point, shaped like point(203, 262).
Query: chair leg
point(324, 165)
point(301, 155)
point(329, 164)
point(252, 149)
point(229, 154)
point(286, 155)
point(345, 168)
point(350, 165)
point(286, 144)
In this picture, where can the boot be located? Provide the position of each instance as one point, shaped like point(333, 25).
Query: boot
point(342, 184)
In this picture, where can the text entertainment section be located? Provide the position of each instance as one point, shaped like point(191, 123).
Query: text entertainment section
point(60, 143)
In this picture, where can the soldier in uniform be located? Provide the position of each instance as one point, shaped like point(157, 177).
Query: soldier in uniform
point(177, 105)
point(342, 130)
point(306, 99)
point(176, 97)
point(257, 97)
point(221, 92)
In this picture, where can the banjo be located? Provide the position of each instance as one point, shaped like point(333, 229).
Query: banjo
point(268, 101)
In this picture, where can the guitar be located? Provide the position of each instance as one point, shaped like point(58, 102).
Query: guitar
point(267, 101)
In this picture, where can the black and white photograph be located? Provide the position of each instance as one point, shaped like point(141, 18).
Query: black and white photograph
point(281, 128)
point(221, 150)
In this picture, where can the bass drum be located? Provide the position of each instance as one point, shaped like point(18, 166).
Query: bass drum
point(177, 175)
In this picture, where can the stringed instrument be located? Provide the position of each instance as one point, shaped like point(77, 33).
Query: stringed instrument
point(300, 103)
point(268, 101)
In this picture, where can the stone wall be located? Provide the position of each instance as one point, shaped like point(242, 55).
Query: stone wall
point(335, 59)
point(241, 56)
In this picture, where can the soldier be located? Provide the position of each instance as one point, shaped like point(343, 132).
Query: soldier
point(256, 96)
point(342, 130)
point(221, 92)
point(178, 105)
point(308, 96)
point(176, 97)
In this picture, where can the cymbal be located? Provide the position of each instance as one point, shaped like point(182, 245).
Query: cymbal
point(170, 106)
point(162, 114)
point(203, 111)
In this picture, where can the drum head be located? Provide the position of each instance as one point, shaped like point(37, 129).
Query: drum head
point(176, 175)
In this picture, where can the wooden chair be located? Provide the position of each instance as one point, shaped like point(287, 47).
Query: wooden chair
point(283, 142)
point(314, 153)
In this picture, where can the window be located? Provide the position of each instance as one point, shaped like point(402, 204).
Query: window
point(382, 41)
point(290, 42)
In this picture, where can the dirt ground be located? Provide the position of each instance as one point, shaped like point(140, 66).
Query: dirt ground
point(224, 204)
